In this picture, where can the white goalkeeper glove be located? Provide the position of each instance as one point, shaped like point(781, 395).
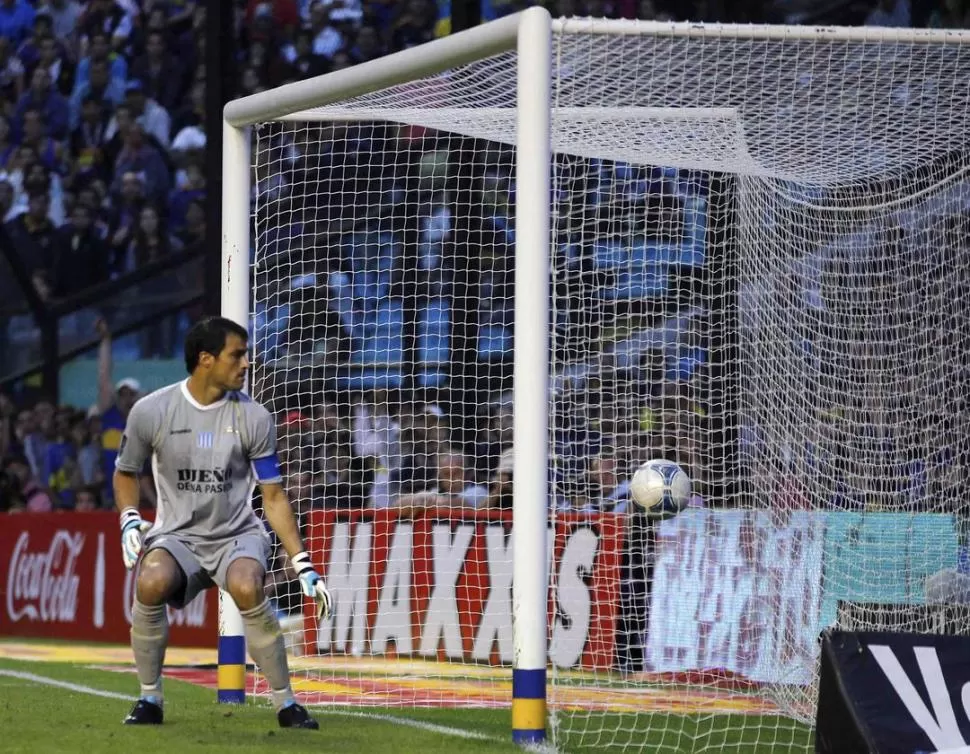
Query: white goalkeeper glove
point(133, 528)
point(312, 585)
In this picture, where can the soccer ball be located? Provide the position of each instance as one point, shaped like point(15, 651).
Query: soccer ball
point(661, 488)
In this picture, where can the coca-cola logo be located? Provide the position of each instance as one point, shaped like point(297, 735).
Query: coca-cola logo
point(190, 616)
point(42, 585)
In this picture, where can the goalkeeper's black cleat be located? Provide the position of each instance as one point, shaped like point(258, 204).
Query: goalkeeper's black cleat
point(144, 713)
point(296, 716)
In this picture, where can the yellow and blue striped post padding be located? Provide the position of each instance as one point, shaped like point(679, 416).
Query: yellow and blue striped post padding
point(528, 705)
point(232, 670)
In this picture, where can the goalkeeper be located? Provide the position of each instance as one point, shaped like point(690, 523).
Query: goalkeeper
point(209, 444)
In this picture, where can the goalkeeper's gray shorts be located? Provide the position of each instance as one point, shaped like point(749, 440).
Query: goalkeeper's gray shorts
point(206, 564)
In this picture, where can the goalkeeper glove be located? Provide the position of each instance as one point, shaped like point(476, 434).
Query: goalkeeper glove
point(133, 528)
point(312, 584)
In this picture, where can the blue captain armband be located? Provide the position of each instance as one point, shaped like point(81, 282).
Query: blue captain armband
point(267, 468)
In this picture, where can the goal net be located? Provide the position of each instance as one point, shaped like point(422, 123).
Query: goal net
point(759, 255)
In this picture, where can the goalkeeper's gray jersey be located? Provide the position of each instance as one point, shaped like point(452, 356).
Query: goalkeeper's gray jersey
point(206, 460)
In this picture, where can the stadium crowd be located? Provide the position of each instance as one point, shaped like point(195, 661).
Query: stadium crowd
point(102, 106)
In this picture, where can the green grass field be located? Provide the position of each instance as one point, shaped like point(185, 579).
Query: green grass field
point(38, 717)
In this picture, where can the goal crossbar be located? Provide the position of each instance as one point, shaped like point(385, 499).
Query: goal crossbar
point(591, 114)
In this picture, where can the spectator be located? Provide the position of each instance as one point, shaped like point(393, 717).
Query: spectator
point(81, 257)
point(89, 196)
point(25, 491)
point(16, 20)
point(147, 112)
point(8, 418)
point(267, 64)
point(375, 433)
point(497, 441)
point(345, 477)
point(159, 72)
point(193, 231)
point(87, 453)
point(188, 151)
point(609, 488)
point(890, 13)
point(109, 17)
point(86, 499)
point(415, 25)
point(151, 242)
point(100, 52)
point(123, 121)
point(190, 189)
point(7, 212)
point(64, 15)
point(33, 236)
point(60, 460)
point(192, 113)
point(303, 61)
point(452, 487)
point(422, 433)
point(7, 147)
point(114, 404)
point(327, 38)
point(367, 45)
point(50, 57)
point(11, 72)
point(88, 141)
point(49, 153)
point(138, 156)
point(127, 208)
point(282, 15)
point(179, 15)
point(29, 50)
point(51, 104)
point(100, 87)
point(28, 439)
point(40, 180)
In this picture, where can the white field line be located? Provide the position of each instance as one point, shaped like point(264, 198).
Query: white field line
point(393, 719)
point(65, 685)
point(410, 723)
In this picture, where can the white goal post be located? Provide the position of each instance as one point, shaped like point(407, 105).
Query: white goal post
point(800, 290)
point(530, 33)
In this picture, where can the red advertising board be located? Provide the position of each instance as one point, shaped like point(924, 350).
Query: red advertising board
point(440, 585)
point(61, 576)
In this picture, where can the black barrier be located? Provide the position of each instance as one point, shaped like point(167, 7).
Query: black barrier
point(893, 693)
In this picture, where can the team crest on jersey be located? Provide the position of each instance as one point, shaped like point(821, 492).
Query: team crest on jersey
point(205, 439)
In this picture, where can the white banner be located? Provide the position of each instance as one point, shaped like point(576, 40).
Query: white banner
point(738, 591)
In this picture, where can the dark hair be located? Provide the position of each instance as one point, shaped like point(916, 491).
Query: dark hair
point(208, 335)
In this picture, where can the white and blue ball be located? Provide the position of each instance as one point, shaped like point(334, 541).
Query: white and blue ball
point(661, 488)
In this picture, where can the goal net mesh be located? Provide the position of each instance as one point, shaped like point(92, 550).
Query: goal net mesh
point(759, 255)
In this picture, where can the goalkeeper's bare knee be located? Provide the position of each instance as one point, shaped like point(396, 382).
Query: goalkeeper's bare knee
point(159, 578)
point(244, 581)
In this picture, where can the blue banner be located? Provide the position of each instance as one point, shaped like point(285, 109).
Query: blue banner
point(883, 557)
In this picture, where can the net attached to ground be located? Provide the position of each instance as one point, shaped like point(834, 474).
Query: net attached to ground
point(759, 247)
